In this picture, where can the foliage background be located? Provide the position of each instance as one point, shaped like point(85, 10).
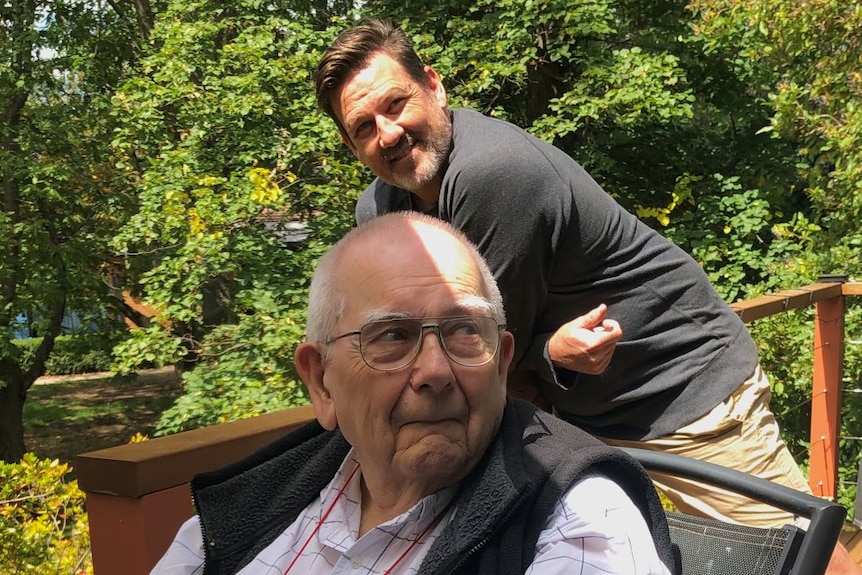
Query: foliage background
point(180, 141)
point(42, 520)
point(721, 124)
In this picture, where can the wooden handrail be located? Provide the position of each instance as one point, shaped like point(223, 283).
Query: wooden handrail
point(772, 304)
point(138, 469)
point(137, 494)
point(828, 345)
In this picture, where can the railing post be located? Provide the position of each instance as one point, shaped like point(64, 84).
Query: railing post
point(826, 393)
point(129, 535)
point(138, 494)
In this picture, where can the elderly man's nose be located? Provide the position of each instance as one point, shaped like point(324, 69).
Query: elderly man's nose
point(431, 366)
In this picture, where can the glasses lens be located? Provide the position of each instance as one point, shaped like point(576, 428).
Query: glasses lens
point(470, 340)
point(392, 344)
point(389, 344)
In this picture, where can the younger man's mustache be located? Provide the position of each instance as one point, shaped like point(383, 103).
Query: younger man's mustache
point(396, 151)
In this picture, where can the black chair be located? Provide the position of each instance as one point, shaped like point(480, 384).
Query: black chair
point(711, 547)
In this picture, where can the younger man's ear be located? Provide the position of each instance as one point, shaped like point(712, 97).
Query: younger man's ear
point(435, 84)
point(311, 367)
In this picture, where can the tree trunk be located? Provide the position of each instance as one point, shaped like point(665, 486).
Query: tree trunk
point(544, 80)
point(13, 381)
point(12, 417)
point(144, 17)
point(16, 381)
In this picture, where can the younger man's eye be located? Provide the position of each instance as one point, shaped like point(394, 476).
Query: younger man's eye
point(362, 129)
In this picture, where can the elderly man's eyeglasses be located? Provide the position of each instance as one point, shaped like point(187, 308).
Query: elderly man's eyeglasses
point(391, 344)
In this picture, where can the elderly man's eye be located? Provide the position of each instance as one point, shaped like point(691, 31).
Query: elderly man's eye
point(393, 335)
point(389, 333)
point(462, 327)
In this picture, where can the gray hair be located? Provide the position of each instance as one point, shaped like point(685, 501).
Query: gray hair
point(327, 301)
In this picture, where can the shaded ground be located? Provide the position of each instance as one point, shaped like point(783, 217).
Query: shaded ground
point(66, 416)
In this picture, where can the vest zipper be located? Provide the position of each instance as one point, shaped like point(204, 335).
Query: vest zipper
point(478, 546)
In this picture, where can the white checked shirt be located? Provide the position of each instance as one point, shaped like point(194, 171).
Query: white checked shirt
point(595, 530)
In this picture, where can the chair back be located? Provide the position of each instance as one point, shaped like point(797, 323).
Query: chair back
point(712, 547)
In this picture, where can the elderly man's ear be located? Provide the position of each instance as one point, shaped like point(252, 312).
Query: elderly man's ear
point(311, 367)
point(507, 353)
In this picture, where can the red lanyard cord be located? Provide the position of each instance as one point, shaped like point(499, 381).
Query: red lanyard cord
point(322, 519)
point(326, 515)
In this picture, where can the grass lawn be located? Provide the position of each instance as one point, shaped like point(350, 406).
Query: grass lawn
point(69, 416)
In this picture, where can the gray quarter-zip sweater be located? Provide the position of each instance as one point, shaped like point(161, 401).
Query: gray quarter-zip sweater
point(559, 245)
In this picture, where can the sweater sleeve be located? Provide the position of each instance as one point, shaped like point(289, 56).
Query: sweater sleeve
point(513, 204)
point(380, 198)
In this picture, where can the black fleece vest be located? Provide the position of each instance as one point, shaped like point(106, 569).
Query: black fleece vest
point(501, 507)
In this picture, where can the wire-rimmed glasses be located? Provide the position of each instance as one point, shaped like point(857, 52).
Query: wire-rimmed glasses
point(390, 344)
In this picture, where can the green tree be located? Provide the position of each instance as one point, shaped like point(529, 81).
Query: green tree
point(628, 89)
point(62, 199)
point(221, 132)
point(804, 60)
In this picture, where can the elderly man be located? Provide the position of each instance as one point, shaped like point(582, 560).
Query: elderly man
point(619, 328)
point(418, 463)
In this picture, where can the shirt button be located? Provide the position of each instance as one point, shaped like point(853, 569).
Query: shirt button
point(356, 563)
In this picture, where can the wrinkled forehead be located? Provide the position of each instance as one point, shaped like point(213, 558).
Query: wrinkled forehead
point(378, 75)
point(417, 266)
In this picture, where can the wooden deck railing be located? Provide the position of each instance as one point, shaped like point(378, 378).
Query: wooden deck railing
point(828, 301)
point(138, 495)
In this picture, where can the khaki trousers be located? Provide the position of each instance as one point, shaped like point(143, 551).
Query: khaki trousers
point(740, 433)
